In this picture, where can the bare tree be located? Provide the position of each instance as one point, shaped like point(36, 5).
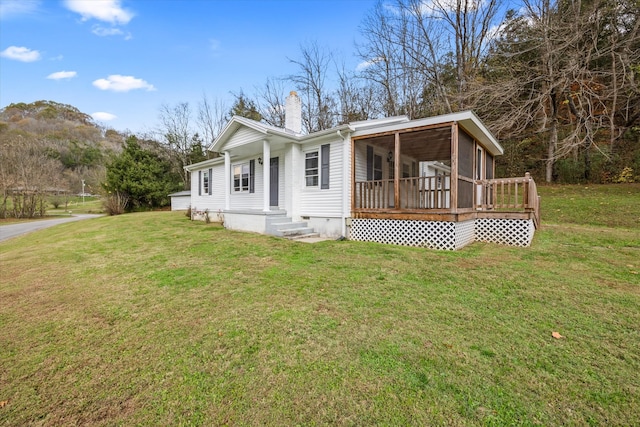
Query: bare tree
point(176, 131)
point(357, 98)
point(27, 175)
point(271, 99)
point(425, 55)
point(311, 81)
point(211, 118)
point(565, 71)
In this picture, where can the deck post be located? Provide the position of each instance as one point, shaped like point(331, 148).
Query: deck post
point(525, 192)
point(454, 168)
point(396, 174)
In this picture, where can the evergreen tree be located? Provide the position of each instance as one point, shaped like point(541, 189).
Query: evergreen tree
point(142, 175)
point(245, 107)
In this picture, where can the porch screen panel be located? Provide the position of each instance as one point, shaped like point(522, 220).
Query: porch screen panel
point(465, 194)
point(465, 169)
point(489, 171)
point(369, 163)
point(465, 154)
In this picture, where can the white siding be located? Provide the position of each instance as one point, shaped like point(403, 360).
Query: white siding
point(242, 136)
point(215, 201)
point(328, 202)
point(246, 200)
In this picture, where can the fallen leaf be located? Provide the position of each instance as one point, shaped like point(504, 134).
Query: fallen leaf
point(3, 403)
point(556, 335)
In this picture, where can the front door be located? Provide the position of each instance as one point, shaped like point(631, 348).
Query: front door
point(273, 181)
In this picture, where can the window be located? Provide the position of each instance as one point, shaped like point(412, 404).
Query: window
point(243, 177)
point(311, 169)
point(405, 171)
point(317, 167)
point(205, 182)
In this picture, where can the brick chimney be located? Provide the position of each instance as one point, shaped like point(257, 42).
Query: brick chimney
point(293, 113)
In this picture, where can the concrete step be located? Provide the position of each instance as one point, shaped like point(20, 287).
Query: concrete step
point(297, 231)
point(303, 236)
point(287, 225)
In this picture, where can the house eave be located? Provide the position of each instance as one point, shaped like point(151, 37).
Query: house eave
point(467, 119)
point(203, 164)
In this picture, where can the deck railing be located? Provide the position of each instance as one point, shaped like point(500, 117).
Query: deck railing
point(428, 192)
point(508, 194)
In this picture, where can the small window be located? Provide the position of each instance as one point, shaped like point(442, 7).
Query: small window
point(205, 182)
point(311, 169)
point(405, 171)
point(242, 177)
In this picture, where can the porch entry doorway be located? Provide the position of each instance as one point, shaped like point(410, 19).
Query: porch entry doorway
point(479, 174)
point(273, 181)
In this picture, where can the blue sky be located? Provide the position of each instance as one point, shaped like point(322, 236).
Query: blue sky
point(122, 59)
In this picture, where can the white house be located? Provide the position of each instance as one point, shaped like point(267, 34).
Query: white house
point(426, 182)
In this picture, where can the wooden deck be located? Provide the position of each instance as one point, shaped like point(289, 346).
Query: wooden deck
point(429, 199)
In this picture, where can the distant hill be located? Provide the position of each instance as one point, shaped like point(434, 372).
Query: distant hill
point(74, 147)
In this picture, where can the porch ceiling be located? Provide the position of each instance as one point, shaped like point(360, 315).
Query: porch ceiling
point(426, 145)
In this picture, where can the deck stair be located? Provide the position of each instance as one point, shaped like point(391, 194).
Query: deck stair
point(284, 226)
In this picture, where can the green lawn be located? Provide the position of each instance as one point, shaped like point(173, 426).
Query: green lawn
point(150, 319)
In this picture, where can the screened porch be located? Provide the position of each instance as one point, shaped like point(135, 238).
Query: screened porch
point(433, 172)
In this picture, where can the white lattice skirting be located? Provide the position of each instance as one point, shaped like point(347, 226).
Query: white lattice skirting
point(442, 235)
point(512, 232)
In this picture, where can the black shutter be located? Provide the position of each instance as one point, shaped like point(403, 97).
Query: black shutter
point(210, 182)
point(369, 163)
point(252, 179)
point(199, 183)
point(324, 170)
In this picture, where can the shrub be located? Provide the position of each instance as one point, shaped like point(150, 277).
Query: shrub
point(626, 175)
point(115, 204)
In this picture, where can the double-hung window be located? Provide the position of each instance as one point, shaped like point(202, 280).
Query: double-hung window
point(311, 171)
point(243, 177)
point(204, 182)
point(317, 167)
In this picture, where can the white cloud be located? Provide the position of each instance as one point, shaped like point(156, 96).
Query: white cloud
point(103, 117)
point(10, 8)
point(103, 32)
point(61, 75)
point(118, 83)
point(366, 64)
point(102, 10)
point(20, 54)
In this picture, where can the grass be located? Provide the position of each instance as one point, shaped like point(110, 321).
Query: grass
point(150, 319)
point(91, 205)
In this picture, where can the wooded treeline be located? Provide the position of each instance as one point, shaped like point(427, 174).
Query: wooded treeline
point(556, 81)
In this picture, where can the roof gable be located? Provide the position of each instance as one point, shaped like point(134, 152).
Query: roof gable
point(240, 131)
